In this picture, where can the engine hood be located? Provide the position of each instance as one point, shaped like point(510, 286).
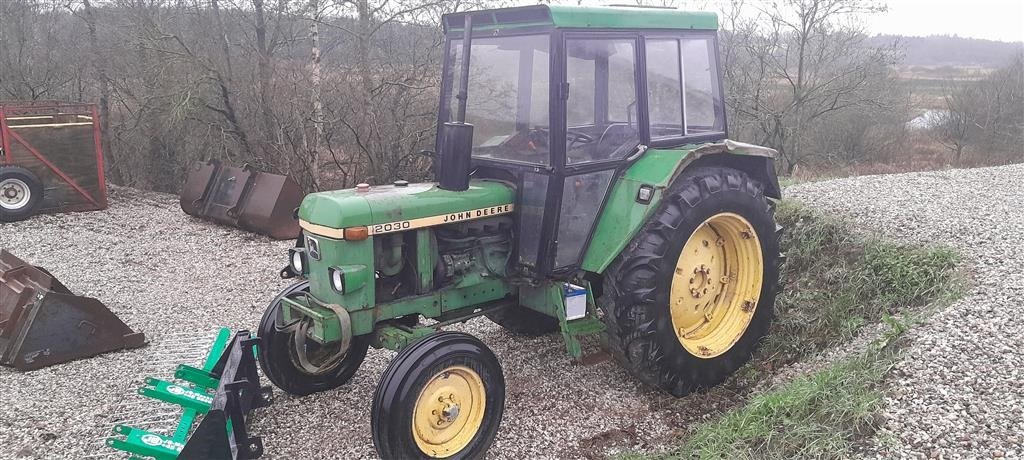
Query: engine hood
point(392, 208)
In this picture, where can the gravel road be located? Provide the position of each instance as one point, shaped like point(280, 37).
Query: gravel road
point(959, 390)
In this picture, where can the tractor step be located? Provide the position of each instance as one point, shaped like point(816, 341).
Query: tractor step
point(583, 333)
point(223, 392)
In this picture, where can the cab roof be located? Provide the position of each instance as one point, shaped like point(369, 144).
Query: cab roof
point(586, 17)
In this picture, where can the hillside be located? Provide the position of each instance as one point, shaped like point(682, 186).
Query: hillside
point(944, 50)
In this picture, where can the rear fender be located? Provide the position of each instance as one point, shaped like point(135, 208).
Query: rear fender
point(757, 161)
point(623, 214)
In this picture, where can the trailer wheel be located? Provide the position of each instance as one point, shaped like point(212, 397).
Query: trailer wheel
point(693, 294)
point(298, 365)
point(20, 193)
point(441, 397)
point(522, 320)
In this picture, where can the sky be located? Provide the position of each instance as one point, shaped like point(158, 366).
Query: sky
point(1001, 20)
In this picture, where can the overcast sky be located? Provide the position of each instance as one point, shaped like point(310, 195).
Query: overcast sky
point(991, 19)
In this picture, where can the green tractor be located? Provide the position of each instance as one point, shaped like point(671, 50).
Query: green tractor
point(584, 186)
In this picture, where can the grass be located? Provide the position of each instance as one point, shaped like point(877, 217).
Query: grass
point(815, 416)
point(834, 282)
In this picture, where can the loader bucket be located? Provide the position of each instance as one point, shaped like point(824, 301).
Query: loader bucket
point(242, 197)
point(223, 391)
point(42, 323)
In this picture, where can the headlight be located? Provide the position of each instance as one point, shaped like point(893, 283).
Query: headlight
point(338, 280)
point(297, 260)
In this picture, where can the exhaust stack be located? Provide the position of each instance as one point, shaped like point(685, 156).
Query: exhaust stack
point(454, 158)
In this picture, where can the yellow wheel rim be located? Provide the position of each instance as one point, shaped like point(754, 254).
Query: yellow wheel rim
point(716, 285)
point(449, 412)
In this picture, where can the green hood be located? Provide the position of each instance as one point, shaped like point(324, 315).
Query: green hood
point(396, 204)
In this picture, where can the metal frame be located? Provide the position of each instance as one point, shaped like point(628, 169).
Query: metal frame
point(32, 110)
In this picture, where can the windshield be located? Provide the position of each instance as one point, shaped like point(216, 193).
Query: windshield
point(508, 96)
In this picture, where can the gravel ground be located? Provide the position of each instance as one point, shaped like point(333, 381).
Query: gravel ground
point(177, 279)
point(958, 392)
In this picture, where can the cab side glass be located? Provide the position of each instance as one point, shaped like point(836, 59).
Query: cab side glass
point(704, 113)
point(508, 96)
point(601, 112)
point(582, 196)
point(664, 88)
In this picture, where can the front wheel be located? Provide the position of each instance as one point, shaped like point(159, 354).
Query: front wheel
point(693, 294)
point(296, 363)
point(441, 397)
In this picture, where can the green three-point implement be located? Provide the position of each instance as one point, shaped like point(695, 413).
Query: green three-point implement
point(223, 392)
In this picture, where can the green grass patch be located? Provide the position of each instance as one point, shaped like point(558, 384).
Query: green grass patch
point(836, 281)
point(814, 416)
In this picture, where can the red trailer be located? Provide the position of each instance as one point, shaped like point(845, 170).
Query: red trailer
point(51, 159)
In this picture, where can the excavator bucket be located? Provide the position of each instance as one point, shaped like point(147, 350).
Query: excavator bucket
point(42, 323)
point(242, 197)
point(223, 392)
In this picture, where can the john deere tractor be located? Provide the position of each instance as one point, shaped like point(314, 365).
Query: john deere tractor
point(584, 186)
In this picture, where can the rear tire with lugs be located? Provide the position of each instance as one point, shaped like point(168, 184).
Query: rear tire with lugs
point(690, 298)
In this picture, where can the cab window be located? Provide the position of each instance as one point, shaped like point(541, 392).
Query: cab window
point(704, 112)
point(683, 96)
point(601, 111)
point(508, 96)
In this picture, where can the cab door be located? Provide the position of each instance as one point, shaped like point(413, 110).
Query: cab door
point(603, 124)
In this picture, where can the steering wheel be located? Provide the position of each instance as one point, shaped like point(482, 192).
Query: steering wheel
point(575, 137)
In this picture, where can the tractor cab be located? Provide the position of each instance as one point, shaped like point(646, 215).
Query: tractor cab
point(563, 99)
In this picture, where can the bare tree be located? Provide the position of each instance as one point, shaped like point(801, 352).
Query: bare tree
point(797, 62)
point(985, 115)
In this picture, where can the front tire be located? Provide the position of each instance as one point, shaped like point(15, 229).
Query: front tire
point(441, 397)
point(20, 193)
point(288, 367)
point(693, 294)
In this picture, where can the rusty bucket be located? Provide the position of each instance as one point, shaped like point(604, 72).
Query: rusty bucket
point(242, 197)
point(42, 323)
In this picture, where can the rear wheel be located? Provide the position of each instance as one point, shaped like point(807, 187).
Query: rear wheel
point(441, 397)
point(692, 296)
point(296, 363)
point(20, 193)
